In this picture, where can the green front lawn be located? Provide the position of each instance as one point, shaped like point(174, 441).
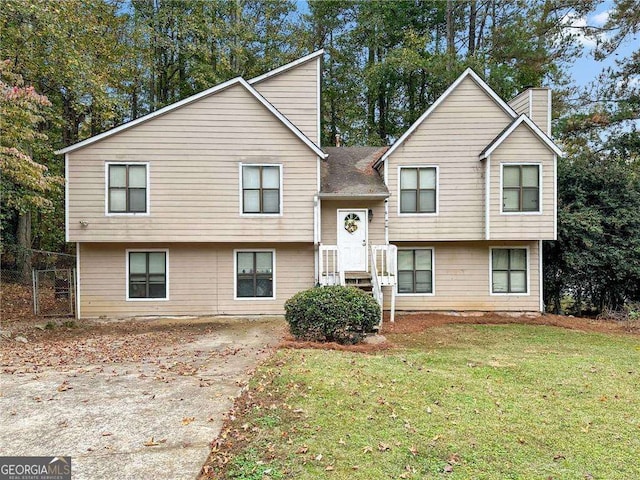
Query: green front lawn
point(455, 402)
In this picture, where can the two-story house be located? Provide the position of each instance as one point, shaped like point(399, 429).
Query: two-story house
point(226, 203)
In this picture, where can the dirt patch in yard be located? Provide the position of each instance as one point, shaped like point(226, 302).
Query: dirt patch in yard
point(419, 322)
point(64, 342)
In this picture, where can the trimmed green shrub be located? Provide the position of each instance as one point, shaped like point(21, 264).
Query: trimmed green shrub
point(332, 314)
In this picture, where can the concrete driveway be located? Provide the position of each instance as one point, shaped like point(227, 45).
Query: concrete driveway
point(136, 416)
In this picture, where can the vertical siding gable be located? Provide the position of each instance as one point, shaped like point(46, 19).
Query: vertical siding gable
point(523, 146)
point(193, 154)
point(294, 93)
point(451, 137)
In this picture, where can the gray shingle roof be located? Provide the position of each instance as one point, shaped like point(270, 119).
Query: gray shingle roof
point(348, 172)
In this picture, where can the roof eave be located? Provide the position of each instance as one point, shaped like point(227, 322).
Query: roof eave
point(348, 196)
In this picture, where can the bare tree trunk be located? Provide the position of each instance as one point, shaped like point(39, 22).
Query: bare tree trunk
point(371, 101)
point(451, 47)
point(472, 28)
point(24, 245)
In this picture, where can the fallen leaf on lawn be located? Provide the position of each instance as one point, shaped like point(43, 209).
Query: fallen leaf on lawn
point(329, 468)
point(64, 386)
point(151, 443)
point(303, 449)
point(341, 442)
point(106, 434)
point(453, 459)
point(318, 457)
point(355, 467)
point(367, 449)
point(383, 447)
point(428, 409)
point(448, 469)
point(559, 457)
point(188, 420)
point(413, 450)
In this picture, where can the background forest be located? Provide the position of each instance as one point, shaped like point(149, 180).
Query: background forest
point(74, 68)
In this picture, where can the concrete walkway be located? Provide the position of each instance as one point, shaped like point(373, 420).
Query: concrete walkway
point(134, 420)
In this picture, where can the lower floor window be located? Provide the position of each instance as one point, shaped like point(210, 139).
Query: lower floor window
point(509, 270)
point(415, 271)
point(147, 274)
point(254, 272)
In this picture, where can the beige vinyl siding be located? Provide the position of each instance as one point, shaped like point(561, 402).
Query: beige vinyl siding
point(522, 147)
point(520, 103)
point(194, 153)
point(540, 113)
point(452, 137)
point(200, 279)
point(462, 280)
point(534, 103)
point(329, 226)
point(294, 93)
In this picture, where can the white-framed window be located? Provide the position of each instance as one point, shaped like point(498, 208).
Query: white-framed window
point(418, 190)
point(415, 271)
point(147, 272)
point(254, 274)
point(509, 270)
point(520, 185)
point(260, 189)
point(127, 188)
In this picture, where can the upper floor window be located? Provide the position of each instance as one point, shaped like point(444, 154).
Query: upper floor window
point(261, 189)
point(418, 189)
point(147, 275)
point(415, 270)
point(521, 188)
point(127, 188)
point(508, 270)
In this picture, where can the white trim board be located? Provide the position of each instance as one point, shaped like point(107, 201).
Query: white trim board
point(467, 73)
point(235, 273)
point(236, 81)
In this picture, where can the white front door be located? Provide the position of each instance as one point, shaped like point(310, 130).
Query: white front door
point(352, 240)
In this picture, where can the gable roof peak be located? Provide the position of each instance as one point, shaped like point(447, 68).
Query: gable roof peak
point(502, 136)
point(287, 66)
point(468, 72)
point(205, 93)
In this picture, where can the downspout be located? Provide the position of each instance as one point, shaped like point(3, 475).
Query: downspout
point(316, 204)
point(77, 279)
point(540, 276)
point(487, 196)
point(386, 206)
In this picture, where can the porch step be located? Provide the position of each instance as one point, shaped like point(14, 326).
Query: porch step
point(361, 280)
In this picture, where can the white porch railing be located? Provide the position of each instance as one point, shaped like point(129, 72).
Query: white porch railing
point(330, 272)
point(384, 267)
point(376, 288)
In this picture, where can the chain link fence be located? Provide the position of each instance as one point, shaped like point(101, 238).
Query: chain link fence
point(36, 282)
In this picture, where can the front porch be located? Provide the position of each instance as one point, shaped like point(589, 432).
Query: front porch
point(378, 277)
